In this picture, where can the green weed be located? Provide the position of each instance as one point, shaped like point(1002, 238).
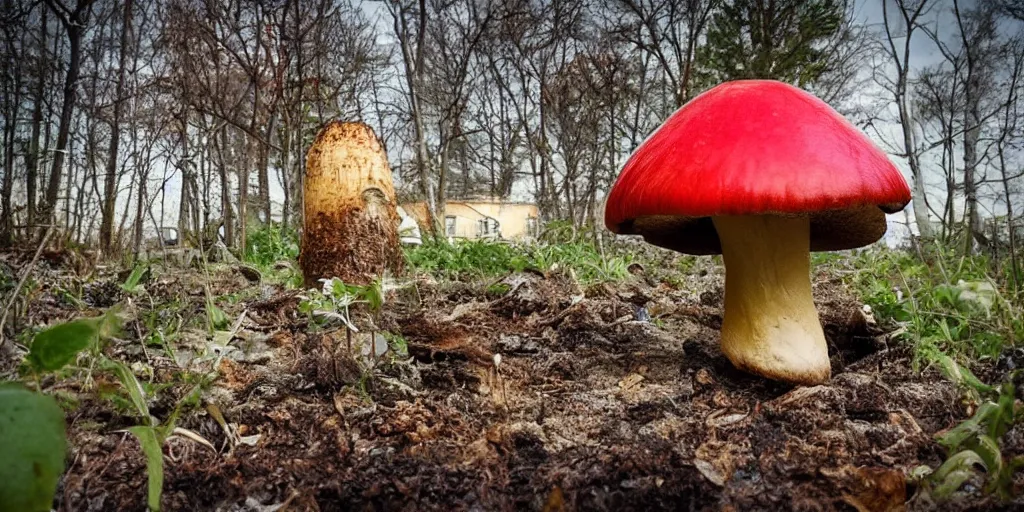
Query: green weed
point(954, 311)
point(274, 252)
point(470, 259)
point(32, 429)
point(271, 244)
point(975, 443)
point(950, 305)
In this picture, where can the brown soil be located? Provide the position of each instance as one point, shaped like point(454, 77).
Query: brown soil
point(589, 409)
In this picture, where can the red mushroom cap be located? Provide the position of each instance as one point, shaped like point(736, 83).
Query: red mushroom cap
point(755, 147)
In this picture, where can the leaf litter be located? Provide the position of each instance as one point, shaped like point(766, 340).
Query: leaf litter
point(548, 396)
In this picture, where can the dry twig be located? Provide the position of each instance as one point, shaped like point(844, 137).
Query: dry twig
point(21, 282)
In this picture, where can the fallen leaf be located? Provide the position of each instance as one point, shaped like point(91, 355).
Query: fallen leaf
point(873, 489)
point(710, 472)
point(704, 377)
point(631, 381)
point(720, 419)
point(556, 501)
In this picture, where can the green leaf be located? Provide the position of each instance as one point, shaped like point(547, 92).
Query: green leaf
point(32, 448)
point(132, 282)
point(960, 374)
point(374, 295)
point(338, 287)
point(960, 434)
point(134, 388)
point(988, 449)
point(151, 443)
point(1006, 415)
point(57, 346)
point(954, 472)
point(216, 316)
point(952, 481)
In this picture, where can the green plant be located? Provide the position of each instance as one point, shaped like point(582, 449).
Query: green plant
point(215, 317)
point(559, 231)
point(32, 446)
point(57, 346)
point(270, 244)
point(131, 283)
point(464, 258)
point(332, 302)
point(151, 433)
point(947, 305)
point(273, 251)
point(72, 296)
point(469, 259)
point(975, 443)
point(151, 440)
point(398, 344)
point(32, 442)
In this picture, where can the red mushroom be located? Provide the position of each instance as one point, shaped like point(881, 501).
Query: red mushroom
point(762, 173)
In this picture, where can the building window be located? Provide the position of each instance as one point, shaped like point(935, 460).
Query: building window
point(531, 226)
point(487, 227)
point(449, 225)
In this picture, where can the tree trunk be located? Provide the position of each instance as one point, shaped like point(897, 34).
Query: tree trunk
point(263, 168)
point(920, 195)
point(111, 180)
point(11, 105)
point(33, 157)
point(442, 179)
point(225, 188)
point(187, 189)
point(1009, 127)
point(10, 122)
point(972, 130)
point(75, 25)
point(1014, 265)
point(286, 171)
point(243, 197)
point(972, 221)
point(69, 175)
point(79, 209)
point(140, 202)
point(127, 208)
point(413, 61)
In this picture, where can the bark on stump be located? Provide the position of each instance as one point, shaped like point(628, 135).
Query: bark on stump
point(350, 225)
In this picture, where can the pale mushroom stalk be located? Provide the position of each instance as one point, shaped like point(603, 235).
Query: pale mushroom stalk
point(770, 326)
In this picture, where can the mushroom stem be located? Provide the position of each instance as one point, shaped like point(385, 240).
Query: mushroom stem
point(770, 325)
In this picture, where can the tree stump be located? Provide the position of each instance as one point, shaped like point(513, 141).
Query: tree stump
point(350, 222)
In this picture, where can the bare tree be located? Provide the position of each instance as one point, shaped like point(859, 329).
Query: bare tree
point(11, 15)
point(74, 20)
point(409, 22)
point(938, 102)
point(902, 24)
point(111, 180)
point(978, 36)
point(670, 32)
point(32, 156)
point(1011, 129)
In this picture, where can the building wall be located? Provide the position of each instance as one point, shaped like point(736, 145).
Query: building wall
point(513, 218)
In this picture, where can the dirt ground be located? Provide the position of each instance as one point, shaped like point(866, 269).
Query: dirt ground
point(527, 392)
